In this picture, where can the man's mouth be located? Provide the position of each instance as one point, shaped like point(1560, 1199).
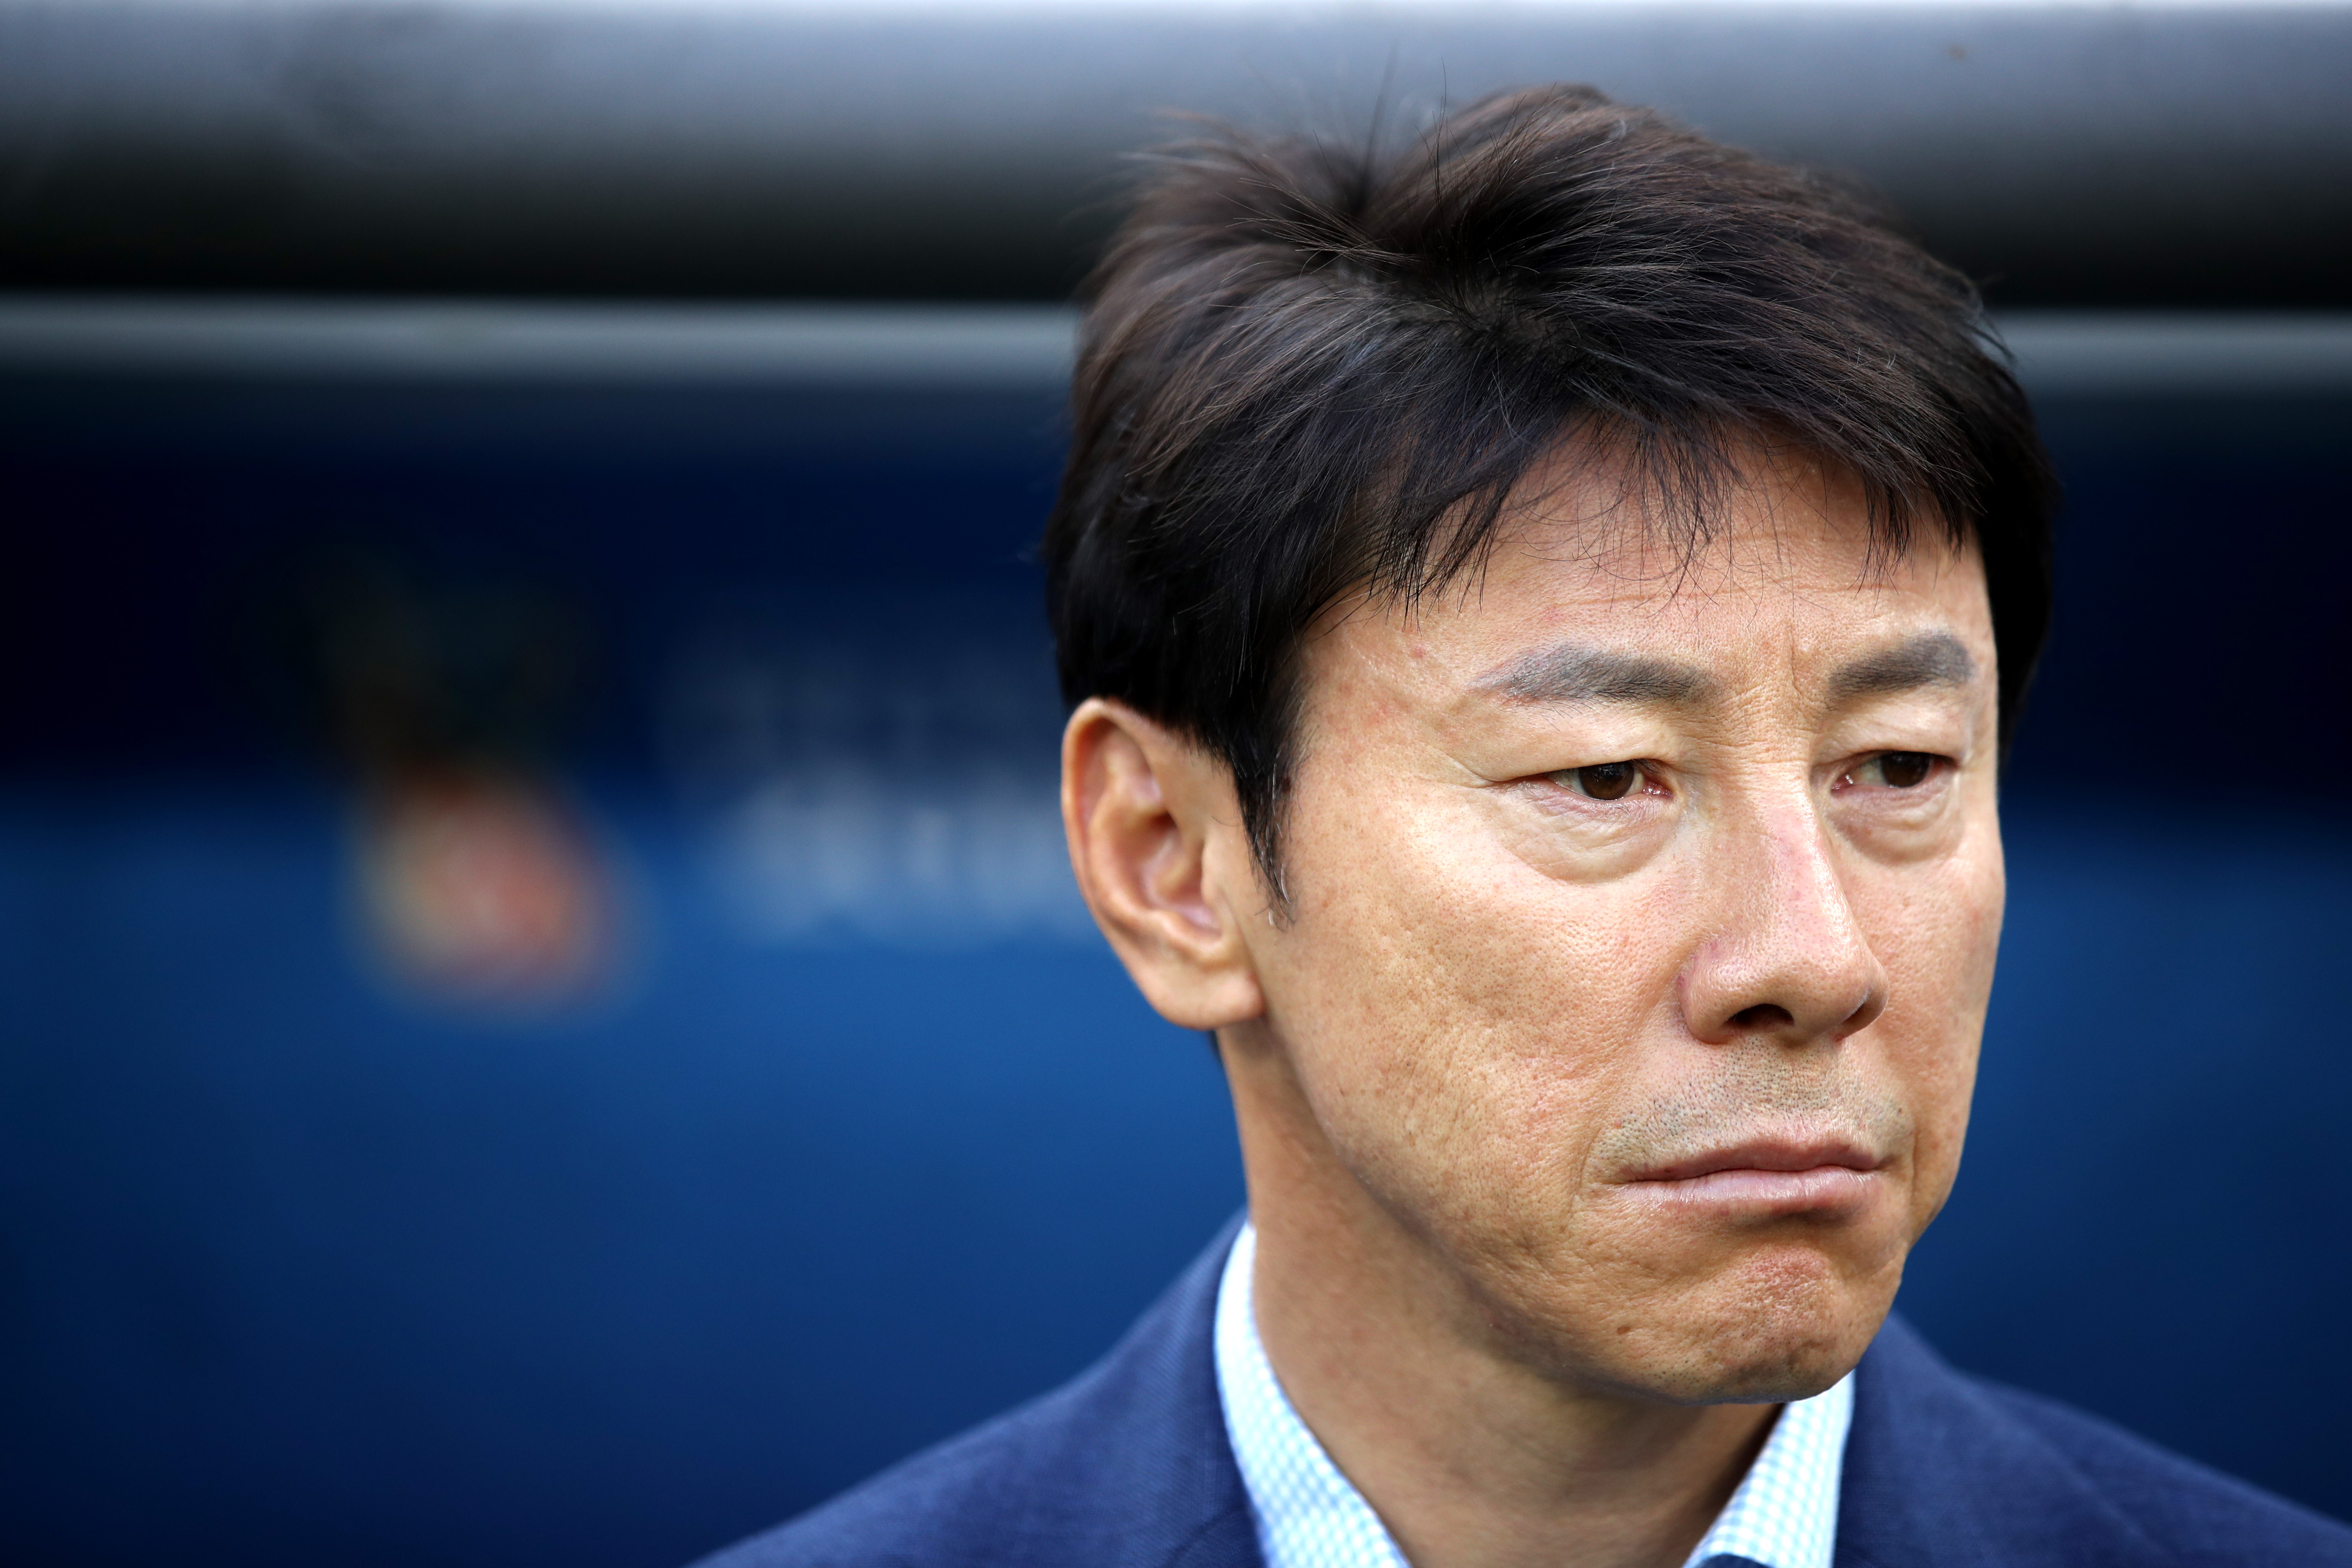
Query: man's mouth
point(1778, 1175)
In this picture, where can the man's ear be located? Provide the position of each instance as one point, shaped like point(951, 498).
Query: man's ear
point(1156, 840)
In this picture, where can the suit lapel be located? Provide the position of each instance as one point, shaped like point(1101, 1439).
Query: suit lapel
point(1152, 1484)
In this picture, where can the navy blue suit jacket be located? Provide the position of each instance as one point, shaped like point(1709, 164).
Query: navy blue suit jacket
point(1128, 1466)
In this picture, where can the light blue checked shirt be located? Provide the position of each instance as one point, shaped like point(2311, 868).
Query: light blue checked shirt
point(1784, 1514)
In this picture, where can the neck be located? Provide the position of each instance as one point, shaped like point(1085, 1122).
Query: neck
point(1474, 1455)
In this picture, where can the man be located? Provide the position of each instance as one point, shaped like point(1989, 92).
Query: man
point(1543, 612)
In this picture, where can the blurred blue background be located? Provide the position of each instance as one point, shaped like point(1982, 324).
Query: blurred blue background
point(857, 1133)
point(543, 1019)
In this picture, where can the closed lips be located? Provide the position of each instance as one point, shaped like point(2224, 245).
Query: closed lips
point(1778, 1156)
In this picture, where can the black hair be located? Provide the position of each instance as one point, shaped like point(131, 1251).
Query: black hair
point(1306, 370)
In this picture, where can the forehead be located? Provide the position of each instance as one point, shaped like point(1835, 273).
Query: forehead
point(1786, 584)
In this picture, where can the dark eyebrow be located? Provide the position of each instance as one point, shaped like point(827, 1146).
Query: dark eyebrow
point(1931, 659)
point(1573, 673)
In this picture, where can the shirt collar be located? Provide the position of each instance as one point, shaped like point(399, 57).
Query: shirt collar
point(1783, 1515)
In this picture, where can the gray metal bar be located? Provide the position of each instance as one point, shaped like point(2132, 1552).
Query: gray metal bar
point(945, 347)
point(2084, 354)
point(2170, 154)
point(1002, 347)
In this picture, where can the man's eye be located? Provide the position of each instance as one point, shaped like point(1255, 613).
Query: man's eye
point(1895, 769)
point(1602, 781)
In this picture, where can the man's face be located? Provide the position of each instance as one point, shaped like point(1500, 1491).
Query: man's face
point(1643, 916)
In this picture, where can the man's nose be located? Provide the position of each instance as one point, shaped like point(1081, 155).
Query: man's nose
point(1788, 958)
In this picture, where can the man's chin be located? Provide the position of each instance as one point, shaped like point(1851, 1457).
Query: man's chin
point(1795, 1373)
point(1781, 1329)
point(1752, 1365)
point(1755, 1352)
